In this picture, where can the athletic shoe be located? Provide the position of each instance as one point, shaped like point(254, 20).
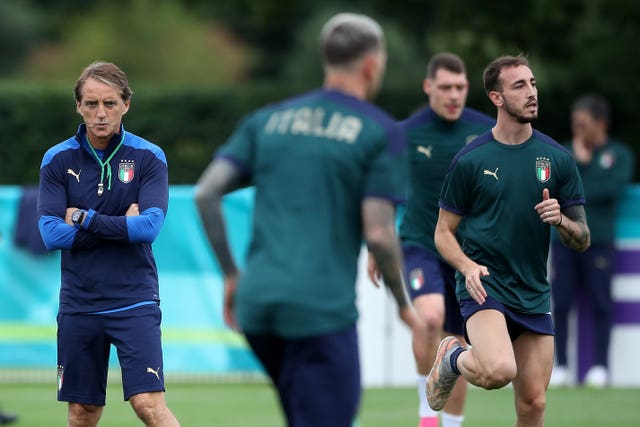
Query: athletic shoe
point(596, 377)
point(442, 378)
point(7, 418)
point(559, 377)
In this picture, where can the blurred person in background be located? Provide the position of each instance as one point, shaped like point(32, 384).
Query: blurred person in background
point(328, 168)
point(103, 197)
point(435, 134)
point(606, 167)
point(509, 186)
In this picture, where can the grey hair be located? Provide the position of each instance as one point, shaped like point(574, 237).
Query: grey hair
point(106, 73)
point(347, 37)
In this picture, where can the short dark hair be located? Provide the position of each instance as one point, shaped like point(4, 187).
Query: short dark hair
point(445, 60)
point(107, 73)
point(348, 37)
point(491, 75)
point(596, 105)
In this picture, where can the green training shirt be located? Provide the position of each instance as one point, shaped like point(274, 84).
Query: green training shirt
point(313, 159)
point(496, 187)
point(432, 144)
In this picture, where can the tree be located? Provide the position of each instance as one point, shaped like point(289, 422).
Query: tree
point(157, 43)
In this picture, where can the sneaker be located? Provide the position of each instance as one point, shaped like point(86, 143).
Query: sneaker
point(442, 378)
point(7, 418)
point(596, 377)
point(559, 377)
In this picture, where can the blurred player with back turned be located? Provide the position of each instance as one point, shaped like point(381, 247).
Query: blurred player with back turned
point(328, 170)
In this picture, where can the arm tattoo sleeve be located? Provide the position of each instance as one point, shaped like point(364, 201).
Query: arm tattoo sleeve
point(220, 178)
point(575, 233)
point(382, 242)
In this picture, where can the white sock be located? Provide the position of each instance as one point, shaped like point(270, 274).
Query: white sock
point(449, 420)
point(424, 410)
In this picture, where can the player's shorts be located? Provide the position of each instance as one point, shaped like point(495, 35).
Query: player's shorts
point(317, 377)
point(425, 273)
point(84, 342)
point(517, 322)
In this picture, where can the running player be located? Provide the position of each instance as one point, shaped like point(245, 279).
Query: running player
point(435, 134)
point(509, 187)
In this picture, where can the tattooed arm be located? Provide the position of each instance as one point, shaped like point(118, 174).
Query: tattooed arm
point(378, 217)
point(571, 222)
point(573, 228)
point(220, 178)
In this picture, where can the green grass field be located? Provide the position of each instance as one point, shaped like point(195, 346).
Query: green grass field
point(253, 404)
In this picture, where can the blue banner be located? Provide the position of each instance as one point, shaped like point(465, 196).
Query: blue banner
point(195, 338)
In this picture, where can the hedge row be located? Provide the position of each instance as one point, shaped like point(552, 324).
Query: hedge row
point(188, 123)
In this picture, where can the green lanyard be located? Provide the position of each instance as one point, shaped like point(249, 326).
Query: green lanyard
point(103, 164)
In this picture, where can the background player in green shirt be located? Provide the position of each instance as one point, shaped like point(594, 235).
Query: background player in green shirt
point(328, 168)
point(606, 167)
point(435, 134)
point(509, 185)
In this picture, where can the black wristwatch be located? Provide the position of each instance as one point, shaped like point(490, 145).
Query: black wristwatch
point(77, 216)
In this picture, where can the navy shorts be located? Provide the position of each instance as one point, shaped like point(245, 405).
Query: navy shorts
point(84, 343)
point(317, 377)
point(425, 273)
point(517, 322)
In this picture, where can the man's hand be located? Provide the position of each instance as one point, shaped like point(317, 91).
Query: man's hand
point(133, 210)
point(67, 216)
point(372, 270)
point(581, 151)
point(230, 284)
point(549, 209)
point(473, 282)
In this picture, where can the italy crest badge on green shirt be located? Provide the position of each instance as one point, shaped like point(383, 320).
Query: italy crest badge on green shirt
point(543, 169)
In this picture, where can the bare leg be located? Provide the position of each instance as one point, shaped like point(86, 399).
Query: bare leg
point(80, 415)
point(430, 308)
point(534, 357)
point(152, 409)
point(490, 363)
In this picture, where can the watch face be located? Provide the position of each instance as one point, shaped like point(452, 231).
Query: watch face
point(75, 217)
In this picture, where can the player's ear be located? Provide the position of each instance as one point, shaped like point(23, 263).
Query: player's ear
point(427, 86)
point(496, 98)
point(127, 103)
point(369, 66)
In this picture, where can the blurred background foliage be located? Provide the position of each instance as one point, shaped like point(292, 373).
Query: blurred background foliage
point(197, 66)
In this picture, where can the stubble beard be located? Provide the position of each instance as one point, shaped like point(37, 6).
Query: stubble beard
point(519, 115)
